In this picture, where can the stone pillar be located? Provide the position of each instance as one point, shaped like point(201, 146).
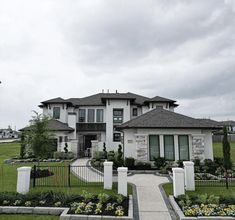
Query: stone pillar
point(94, 147)
point(23, 179)
point(122, 180)
point(178, 182)
point(189, 175)
point(108, 175)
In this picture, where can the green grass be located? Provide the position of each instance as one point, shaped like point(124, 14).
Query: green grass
point(217, 190)
point(218, 150)
point(28, 217)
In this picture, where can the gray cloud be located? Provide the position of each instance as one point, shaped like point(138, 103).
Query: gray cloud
point(183, 50)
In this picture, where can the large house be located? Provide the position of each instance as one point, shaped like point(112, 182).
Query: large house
point(145, 127)
point(8, 133)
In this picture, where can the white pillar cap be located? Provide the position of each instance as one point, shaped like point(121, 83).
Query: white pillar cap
point(122, 169)
point(108, 163)
point(24, 169)
point(188, 163)
point(177, 170)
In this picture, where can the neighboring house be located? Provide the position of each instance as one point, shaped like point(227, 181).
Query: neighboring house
point(230, 126)
point(146, 127)
point(8, 133)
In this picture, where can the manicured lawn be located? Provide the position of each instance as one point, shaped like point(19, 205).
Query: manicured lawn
point(218, 150)
point(28, 217)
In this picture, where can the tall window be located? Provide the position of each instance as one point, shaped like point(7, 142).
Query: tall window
point(154, 147)
point(134, 112)
point(183, 147)
point(117, 115)
point(99, 115)
point(56, 112)
point(169, 152)
point(91, 115)
point(82, 115)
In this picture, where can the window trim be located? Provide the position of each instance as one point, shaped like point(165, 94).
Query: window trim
point(158, 137)
point(119, 121)
point(120, 136)
point(173, 147)
point(179, 145)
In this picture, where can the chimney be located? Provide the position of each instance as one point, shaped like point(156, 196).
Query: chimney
point(107, 90)
point(116, 91)
point(102, 90)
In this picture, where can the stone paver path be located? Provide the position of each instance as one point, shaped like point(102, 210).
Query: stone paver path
point(79, 168)
point(150, 201)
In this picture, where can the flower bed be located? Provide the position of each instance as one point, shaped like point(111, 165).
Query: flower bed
point(204, 205)
point(41, 173)
point(86, 203)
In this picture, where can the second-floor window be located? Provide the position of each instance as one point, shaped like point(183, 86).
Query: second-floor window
point(117, 115)
point(82, 115)
point(134, 112)
point(99, 115)
point(91, 115)
point(56, 112)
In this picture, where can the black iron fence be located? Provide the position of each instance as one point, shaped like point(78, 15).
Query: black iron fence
point(65, 176)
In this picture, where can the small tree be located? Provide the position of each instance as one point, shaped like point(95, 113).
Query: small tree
point(40, 138)
point(105, 151)
point(23, 145)
point(226, 153)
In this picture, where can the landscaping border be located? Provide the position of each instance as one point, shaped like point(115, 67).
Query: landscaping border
point(181, 215)
point(63, 212)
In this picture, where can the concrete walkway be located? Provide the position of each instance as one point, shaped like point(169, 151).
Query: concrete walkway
point(150, 201)
point(80, 169)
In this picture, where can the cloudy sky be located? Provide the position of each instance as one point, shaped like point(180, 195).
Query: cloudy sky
point(184, 50)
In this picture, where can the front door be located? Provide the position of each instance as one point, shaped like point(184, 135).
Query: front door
point(87, 144)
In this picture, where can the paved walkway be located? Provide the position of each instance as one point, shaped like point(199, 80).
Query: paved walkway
point(79, 168)
point(150, 201)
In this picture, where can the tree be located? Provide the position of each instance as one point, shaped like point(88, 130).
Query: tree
point(227, 163)
point(40, 138)
point(23, 145)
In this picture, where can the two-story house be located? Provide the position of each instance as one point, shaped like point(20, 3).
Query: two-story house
point(146, 127)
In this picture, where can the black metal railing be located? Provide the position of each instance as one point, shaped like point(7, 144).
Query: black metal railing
point(65, 176)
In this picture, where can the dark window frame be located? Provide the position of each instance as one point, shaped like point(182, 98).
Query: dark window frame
point(55, 116)
point(90, 110)
point(60, 139)
point(80, 117)
point(164, 136)
point(158, 137)
point(179, 145)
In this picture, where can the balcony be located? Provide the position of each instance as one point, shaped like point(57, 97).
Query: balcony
point(91, 126)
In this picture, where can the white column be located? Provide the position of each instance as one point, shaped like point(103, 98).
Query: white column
point(23, 179)
point(94, 147)
point(122, 180)
point(161, 145)
point(108, 175)
point(178, 182)
point(176, 143)
point(189, 175)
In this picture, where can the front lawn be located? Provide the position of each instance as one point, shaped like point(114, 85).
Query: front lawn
point(218, 150)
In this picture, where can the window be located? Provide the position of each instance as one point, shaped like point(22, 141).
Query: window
point(82, 115)
point(117, 137)
point(56, 112)
point(134, 112)
point(60, 139)
point(154, 147)
point(183, 147)
point(117, 115)
point(99, 115)
point(169, 152)
point(91, 115)
point(65, 138)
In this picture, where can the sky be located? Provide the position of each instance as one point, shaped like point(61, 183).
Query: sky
point(183, 50)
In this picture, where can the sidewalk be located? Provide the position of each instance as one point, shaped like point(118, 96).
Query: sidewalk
point(150, 201)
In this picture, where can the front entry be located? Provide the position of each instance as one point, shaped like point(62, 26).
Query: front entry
point(87, 144)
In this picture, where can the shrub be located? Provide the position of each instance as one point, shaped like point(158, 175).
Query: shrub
point(180, 163)
point(130, 162)
point(105, 151)
point(159, 162)
point(197, 162)
point(63, 156)
point(41, 173)
point(143, 165)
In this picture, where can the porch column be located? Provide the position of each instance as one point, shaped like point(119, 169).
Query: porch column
point(176, 143)
point(161, 145)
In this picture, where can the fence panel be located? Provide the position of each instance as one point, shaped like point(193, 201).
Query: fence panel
point(66, 176)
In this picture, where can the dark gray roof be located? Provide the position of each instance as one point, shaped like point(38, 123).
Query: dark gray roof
point(228, 123)
point(216, 123)
point(159, 99)
point(99, 99)
point(161, 118)
point(54, 125)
